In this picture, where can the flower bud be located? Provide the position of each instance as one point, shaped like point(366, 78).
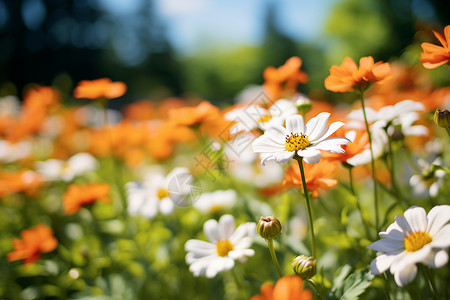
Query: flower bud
point(304, 266)
point(303, 105)
point(442, 118)
point(268, 227)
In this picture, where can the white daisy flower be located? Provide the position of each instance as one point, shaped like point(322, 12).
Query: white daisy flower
point(226, 245)
point(10, 152)
point(153, 194)
point(55, 169)
point(283, 143)
point(430, 180)
point(216, 201)
point(411, 239)
point(254, 116)
point(398, 119)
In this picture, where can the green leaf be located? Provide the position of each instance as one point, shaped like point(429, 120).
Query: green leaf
point(350, 286)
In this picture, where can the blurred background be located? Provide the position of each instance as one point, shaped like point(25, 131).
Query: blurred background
point(210, 49)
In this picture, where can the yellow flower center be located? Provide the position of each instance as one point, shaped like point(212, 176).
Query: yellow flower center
point(223, 247)
point(266, 118)
point(296, 142)
point(162, 193)
point(416, 240)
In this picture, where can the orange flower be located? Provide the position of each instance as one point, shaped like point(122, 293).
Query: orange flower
point(434, 56)
point(37, 104)
point(78, 195)
point(348, 77)
point(189, 116)
point(283, 81)
point(360, 143)
point(287, 288)
point(21, 181)
point(34, 241)
point(315, 175)
point(99, 88)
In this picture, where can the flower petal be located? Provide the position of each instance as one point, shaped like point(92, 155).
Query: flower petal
point(441, 239)
point(417, 218)
point(387, 245)
point(295, 124)
point(315, 127)
point(405, 275)
point(331, 145)
point(211, 230)
point(310, 156)
point(383, 262)
point(226, 227)
point(200, 248)
point(438, 260)
point(329, 130)
point(438, 216)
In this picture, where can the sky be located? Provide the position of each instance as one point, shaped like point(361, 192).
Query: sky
point(195, 24)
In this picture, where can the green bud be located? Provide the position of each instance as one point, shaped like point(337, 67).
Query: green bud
point(304, 266)
point(442, 118)
point(303, 105)
point(268, 227)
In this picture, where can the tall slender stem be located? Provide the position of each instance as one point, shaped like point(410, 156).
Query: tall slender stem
point(274, 256)
point(366, 229)
point(395, 187)
point(432, 283)
point(308, 206)
point(372, 161)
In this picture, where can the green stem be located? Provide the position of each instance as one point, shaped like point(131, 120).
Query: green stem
point(308, 206)
point(391, 166)
point(316, 288)
point(432, 283)
point(366, 229)
point(274, 256)
point(372, 161)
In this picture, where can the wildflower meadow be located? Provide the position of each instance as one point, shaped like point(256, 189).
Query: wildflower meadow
point(277, 195)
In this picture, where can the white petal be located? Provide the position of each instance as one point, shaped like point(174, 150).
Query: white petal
point(244, 243)
point(246, 229)
point(417, 218)
point(403, 224)
point(226, 227)
point(438, 260)
point(411, 258)
point(351, 135)
point(198, 267)
point(383, 262)
point(329, 130)
point(405, 275)
point(200, 248)
point(239, 254)
point(277, 134)
point(211, 230)
point(265, 144)
point(394, 232)
point(316, 126)
point(166, 206)
point(295, 124)
point(416, 130)
point(387, 245)
point(441, 239)
point(218, 265)
point(331, 144)
point(438, 217)
point(310, 156)
point(283, 156)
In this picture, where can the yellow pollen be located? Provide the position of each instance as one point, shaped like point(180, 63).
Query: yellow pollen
point(162, 193)
point(223, 247)
point(296, 142)
point(416, 240)
point(266, 118)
